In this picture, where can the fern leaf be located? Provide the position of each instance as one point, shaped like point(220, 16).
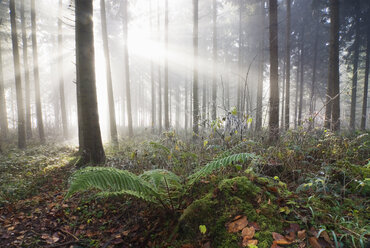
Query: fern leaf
point(161, 179)
point(220, 163)
point(111, 181)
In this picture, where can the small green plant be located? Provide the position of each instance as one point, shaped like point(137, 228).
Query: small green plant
point(157, 186)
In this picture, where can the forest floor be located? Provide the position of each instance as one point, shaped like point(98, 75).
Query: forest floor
point(309, 190)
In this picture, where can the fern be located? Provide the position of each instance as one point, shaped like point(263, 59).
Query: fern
point(236, 149)
point(112, 181)
point(161, 180)
point(219, 163)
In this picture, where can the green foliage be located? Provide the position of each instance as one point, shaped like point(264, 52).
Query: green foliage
point(111, 181)
point(220, 163)
point(162, 180)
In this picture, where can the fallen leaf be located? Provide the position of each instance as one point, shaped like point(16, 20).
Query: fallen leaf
point(290, 236)
point(314, 242)
point(207, 245)
point(255, 225)
point(294, 227)
point(187, 246)
point(280, 239)
point(237, 225)
point(325, 235)
point(248, 232)
point(247, 242)
point(275, 245)
point(302, 234)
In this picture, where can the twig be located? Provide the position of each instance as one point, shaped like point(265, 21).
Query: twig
point(64, 244)
point(66, 232)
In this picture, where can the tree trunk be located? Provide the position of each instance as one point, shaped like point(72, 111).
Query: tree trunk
point(366, 84)
point(112, 111)
point(296, 93)
point(61, 71)
point(204, 101)
point(26, 74)
point(18, 81)
point(214, 74)
point(195, 70)
point(356, 44)
point(240, 44)
point(92, 148)
point(283, 97)
point(260, 72)
point(332, 114)
point(166, 110)
point(186, 106)
point(159, 75)
point(152, 79)
point(274, 83)
point(40, 124)
point(313, 83)
point(127, 68)
point(301, 84)
point(3, 112)
point(287, 66)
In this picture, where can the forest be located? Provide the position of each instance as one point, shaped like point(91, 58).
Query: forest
point(184, 123)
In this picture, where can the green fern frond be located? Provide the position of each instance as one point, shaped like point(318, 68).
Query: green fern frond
point(111, 181)
point(237, 148)
point(162, 179)
point(220, 163)
point(160, 147)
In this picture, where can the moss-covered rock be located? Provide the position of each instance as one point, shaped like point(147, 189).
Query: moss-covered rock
point(235, 196)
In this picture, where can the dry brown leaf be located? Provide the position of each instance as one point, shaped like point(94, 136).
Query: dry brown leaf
point(280, 239)
point(302, 234)
point(248, 232)
point(314, 242)
point(290, 236)
point(275, 245)
point(255, 225)
point(237, 225)
point(325, 235)
point(247, 242)
point(187, 246)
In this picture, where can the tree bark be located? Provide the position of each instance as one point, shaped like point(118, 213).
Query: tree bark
point(3, 112)
point(313, 83)
point(159, 75)
point(332, 113)
point(301, 84)
point(240, 44)
point(287, 66)
point(26, 74)
point(40, 123)
point(92, 148)
point(152, 79)
point(366, 84)
point(260, 73)
point(356, 45)
point(195, 71)
point(61, 71)
point(274, 83)
point(127, 69)
point(18, 81)
point(166, 103)
point(214, 74)
point(112, 111)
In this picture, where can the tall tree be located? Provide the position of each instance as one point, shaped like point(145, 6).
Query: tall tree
point(90, 138)
point(159, 75)
point(40, 123)
point(166, 103)
point(332, 113)
point(3, 113)
point(314, 71)
point(61, 71)
point(274, 83)
point(301, 83)
point(261, 68)
point(26, 73)
point(152, 79)
point(18, 81)
point(195, 70)
point(214, 74)
point(127, 68)
point(112, 111)
point(287, 66)
point(366, 83)
point(356, 46)
point(240, 62)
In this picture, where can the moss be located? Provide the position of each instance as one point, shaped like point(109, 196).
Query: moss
point(235, 196)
